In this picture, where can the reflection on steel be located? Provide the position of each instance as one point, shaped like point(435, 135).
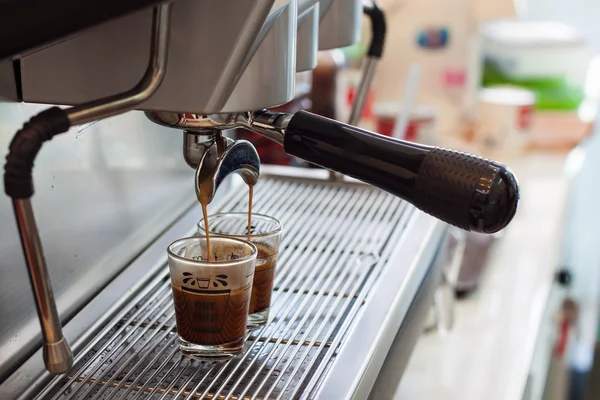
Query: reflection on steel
point(267, 123)
point(337, 240)
point(153, 77)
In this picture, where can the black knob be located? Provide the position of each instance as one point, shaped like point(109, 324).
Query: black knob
point(564, 277)
point(467, 191)
point(378, 29)
point(464, 190)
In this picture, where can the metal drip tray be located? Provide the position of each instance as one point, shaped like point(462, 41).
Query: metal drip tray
point(339, 240)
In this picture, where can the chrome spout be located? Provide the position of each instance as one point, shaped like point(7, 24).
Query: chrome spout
point(215, 157)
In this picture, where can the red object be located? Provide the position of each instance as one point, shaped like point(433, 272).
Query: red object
point(563, 338)
point(525, 117)
point(454, 77)
point(368, 110)
point(386, 125)
point(412, 130)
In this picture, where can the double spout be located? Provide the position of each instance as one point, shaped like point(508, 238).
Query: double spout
point(215, 157)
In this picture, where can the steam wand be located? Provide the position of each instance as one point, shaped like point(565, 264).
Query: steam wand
point(18, 180)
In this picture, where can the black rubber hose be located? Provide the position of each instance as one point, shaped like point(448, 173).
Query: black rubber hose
point(378, 29)
point(27, 142)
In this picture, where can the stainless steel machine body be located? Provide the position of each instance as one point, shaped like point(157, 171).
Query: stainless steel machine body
point(307, 43)
point(358, 264)
point(214, 47)
point(340, 23)
point(223, 57)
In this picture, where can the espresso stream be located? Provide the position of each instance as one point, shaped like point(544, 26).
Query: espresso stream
point(250, 195)
point(204, 203)
point(211, 318)
point(205, 215)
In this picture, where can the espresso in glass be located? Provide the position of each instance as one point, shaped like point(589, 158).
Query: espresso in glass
point(265, 234)
point(211, 294)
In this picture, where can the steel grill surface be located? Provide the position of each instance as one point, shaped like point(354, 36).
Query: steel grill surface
point(336, 239)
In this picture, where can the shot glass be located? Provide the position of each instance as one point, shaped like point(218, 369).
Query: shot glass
point(265, 234)
point(211, 295)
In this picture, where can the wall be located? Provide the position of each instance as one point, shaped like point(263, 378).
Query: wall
point(405, 19)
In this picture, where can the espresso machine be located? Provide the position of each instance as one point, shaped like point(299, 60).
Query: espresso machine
point(361, 255)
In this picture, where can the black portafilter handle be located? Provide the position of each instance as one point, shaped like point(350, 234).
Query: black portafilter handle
point(469, 192)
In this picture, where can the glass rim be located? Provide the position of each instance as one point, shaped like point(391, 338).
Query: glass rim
point(254, 254)
point(276, 230)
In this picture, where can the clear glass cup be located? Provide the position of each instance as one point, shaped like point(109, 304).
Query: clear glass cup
point(211, 296)
point(265, 234)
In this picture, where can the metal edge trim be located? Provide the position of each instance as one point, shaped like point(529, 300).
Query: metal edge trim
point(398, 357)
point(308, 174)
point(355, 369)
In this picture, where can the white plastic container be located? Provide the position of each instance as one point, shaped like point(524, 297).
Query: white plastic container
point(535, 49)
point(504, 117)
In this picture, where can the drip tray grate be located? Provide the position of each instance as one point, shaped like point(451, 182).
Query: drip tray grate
point(335, 243)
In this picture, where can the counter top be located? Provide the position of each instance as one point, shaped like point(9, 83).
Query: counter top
point(488, 353)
